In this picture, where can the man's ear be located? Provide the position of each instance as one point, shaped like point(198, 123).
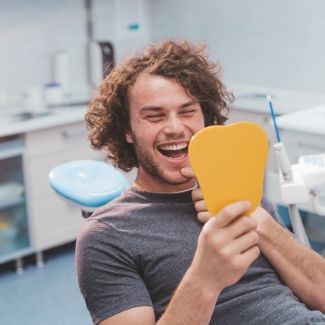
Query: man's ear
point(128, 137)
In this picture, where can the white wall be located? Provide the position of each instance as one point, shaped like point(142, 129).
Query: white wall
point(273, 42)
point(278, 43)
point(31, 31)
point(105, 27)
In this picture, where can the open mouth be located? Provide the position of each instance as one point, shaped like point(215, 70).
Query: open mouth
point(175, 151)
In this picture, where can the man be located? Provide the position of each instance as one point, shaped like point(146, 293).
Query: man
point(146, 258)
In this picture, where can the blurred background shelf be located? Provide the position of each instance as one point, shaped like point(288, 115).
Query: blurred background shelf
point(11, 203)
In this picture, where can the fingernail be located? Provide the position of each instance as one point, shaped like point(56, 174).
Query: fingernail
point(249, 205)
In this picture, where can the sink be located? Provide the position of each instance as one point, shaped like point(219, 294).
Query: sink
point(19, 117)
point(30, 115)
point(257, 95)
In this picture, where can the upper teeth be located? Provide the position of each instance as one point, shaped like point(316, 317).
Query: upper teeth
point(174, 146)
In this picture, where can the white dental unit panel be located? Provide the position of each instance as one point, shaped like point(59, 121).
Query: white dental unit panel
point(303, 133)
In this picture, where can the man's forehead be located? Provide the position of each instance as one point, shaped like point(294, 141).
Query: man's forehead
point(148, 84)
point(145, 77)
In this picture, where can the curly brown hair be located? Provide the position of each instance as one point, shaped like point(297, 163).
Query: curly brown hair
point(108, 119)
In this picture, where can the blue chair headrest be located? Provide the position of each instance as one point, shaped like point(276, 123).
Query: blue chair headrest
point(89, 183)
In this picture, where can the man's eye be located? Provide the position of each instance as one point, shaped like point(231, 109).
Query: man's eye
point(155, 118)
point(188, 113)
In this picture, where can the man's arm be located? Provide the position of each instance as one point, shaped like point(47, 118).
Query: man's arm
point(226, 248)
point(299, 267)
point(134, 316)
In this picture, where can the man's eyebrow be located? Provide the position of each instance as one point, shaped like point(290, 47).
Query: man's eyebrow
point(151, 108)
point(192, 102)
point(159, 108)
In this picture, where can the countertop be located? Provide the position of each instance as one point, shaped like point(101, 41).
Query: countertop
point(253, 98)
point(10, 123)
point(311, 121)
point(247, 97)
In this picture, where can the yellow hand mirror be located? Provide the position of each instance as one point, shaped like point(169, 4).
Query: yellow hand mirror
point(229, 163)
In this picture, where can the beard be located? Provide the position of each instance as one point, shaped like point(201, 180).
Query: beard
point(147, 163)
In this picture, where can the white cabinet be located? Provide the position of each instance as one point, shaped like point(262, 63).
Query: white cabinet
point(34, 218)
point(53, 222)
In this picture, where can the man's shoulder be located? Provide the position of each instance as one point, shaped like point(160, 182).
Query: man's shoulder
point(134, 209)
point(128, 205)
point(108, 219)
point(118, 206)
point(134, 200)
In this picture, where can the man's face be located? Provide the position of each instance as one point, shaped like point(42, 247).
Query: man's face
point(163, 119)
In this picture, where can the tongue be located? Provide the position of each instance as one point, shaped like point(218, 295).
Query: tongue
point(173, 153)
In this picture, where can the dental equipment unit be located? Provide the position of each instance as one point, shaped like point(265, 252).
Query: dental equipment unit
point(299, 182)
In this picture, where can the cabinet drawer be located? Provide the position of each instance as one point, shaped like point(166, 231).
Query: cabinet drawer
point(54, 139)
point(40, 167)
point(55, 222)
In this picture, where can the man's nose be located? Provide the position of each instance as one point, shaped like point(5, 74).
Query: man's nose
point(173, 125)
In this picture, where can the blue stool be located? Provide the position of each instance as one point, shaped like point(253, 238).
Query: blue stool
point(87, 184)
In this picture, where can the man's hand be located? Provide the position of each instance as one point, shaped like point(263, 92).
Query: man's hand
point(227, 246)
point(202, 213)
point(263, 217)
point(197, 197)
point(227, 243)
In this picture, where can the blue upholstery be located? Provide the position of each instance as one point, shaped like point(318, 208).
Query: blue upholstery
point(88, 183)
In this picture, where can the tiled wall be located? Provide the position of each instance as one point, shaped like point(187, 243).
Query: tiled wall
point(278, 43)
point(31, 31)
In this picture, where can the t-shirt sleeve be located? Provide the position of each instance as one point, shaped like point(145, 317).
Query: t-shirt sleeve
point(269, 207)
point(108, 272)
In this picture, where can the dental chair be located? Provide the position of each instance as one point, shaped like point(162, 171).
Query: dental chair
point(87, 184)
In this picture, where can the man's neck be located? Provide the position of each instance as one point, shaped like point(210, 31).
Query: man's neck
point(164, 191)
point(160, 186)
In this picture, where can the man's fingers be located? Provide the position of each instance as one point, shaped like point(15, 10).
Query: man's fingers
point(188, 172)
point(200, 206)
point(230, 212)
point(197, 195)
point(241, 225)
point(245, 242)
point(205, 216)
point(249, 256)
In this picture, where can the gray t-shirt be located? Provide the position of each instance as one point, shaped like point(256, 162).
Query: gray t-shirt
point(135, 250)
